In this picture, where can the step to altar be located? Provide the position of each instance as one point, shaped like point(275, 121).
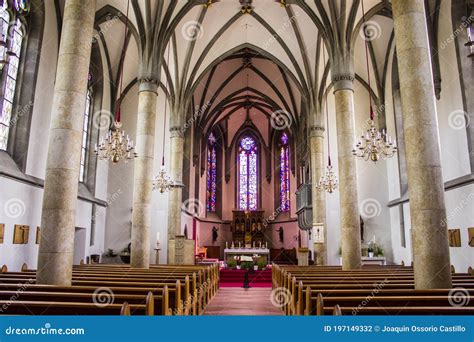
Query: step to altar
point(235, 278)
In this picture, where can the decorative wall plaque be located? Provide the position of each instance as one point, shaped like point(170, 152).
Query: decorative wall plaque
point(318, 233)
point(454, 237)
point(470, 232)
point(2, 232)
point(21, 234)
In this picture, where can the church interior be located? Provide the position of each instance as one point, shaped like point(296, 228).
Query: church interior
point(162, 156)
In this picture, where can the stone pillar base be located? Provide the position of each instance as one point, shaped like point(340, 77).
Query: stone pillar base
point(157, 256)
point(303, 256)
point(181, 251)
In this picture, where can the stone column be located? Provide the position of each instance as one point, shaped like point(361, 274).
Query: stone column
point(143, 175)
point(175, 195)
point(425, 178)
point(319, 198)
point(58, 217)
point(348, 198)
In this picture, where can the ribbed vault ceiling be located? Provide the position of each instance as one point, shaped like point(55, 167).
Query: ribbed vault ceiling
point(207, 41)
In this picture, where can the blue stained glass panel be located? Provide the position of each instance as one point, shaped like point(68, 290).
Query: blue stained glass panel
point(284, 174)
point(248, 175)
point(211, 191)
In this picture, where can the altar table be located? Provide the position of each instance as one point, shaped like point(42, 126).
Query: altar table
point(265, 252)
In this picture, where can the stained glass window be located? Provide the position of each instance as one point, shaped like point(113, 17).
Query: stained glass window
point(11, 30)
point(284, 173)
point(248, 174)
point(21, 5)
point(211, 174)
point(85, 134)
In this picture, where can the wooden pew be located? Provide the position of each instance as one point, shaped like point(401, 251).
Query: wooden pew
point(67, 308)
point(189, 298)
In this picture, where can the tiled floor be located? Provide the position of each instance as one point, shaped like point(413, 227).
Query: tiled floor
point(240, 301)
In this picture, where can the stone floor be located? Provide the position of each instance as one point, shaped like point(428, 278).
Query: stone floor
point(244, 302)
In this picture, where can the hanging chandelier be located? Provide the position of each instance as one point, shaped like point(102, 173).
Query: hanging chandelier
point(116, 145)
point(328, 182)
point(162, 181)
point(373, 144)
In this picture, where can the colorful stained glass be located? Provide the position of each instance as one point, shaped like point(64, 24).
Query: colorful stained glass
point(21, 5)
point(211, 174)
point(248, 174)
point(284, 174)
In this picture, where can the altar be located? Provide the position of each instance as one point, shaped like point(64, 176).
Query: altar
point(261, 252)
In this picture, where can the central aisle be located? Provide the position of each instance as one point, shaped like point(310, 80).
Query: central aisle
point(240, 301)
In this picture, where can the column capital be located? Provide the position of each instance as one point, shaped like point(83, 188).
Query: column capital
point(148, 83)
point(176, 132)
point(317, 131)
point(343, 81)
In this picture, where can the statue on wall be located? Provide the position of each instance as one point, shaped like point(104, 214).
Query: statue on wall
point(281, 234)
point(215, 235)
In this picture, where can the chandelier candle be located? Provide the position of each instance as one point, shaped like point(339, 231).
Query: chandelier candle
point(372, 145)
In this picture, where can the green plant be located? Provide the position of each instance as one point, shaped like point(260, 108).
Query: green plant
point(110, 253)
point(246, 265)
point(232, 264)
point(378, 251)
point(262, 265)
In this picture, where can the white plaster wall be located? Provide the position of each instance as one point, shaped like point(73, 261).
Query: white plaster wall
point(28, 198)
point(454, 156)
point(21, 204)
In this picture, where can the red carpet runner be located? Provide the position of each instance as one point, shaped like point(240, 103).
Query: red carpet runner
point(235, 278)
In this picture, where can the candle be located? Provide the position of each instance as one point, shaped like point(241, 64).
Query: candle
point(158, 237)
